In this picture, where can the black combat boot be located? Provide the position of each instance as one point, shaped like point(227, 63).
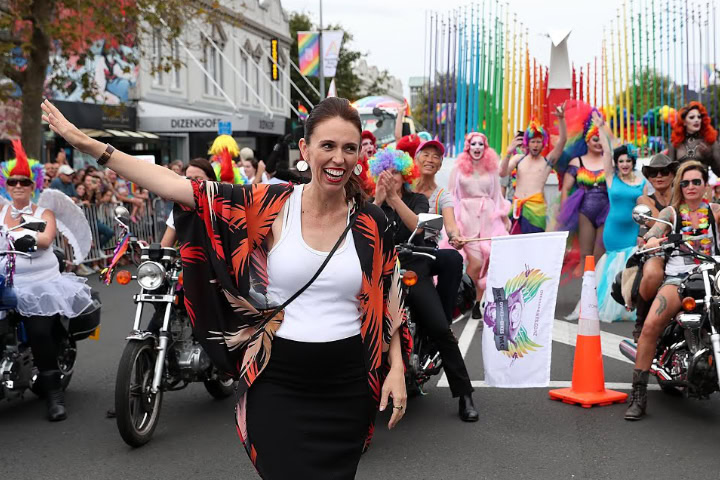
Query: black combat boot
point(641, 311)
point(638, 398)
point(468, 413)
point(55, 395)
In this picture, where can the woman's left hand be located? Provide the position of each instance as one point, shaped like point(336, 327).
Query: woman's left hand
point(394, 387)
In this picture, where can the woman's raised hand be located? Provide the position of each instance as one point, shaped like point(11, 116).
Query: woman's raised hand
point(60, 125)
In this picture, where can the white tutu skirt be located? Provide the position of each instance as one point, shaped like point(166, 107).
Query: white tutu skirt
point(65, 294)
point(610, 264)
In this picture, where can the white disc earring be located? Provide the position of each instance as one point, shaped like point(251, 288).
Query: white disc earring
point(358, 169)
point(302, 166)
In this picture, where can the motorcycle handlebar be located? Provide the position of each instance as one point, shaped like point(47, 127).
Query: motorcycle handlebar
point(418, 249)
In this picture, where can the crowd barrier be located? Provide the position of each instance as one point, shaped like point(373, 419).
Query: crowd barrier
point(148, 226)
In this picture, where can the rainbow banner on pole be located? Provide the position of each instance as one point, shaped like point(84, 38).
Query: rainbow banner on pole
point(309, 53)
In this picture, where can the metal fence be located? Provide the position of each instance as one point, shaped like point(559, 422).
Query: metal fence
point(148, 225)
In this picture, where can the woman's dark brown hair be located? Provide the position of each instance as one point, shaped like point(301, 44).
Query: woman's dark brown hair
point(204, 165)
point(333, 107)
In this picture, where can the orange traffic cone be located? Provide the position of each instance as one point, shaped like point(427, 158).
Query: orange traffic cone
point(588, 380)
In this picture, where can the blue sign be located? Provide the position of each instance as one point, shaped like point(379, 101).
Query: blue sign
point(224, 128)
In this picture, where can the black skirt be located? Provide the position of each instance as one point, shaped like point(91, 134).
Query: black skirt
point(309, 412)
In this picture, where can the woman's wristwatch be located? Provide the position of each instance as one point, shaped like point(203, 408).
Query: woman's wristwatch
point(109, 149)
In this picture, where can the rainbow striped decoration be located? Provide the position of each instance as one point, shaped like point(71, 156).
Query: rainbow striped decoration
point(309, 53)
point(441, 113)
point(302, 112)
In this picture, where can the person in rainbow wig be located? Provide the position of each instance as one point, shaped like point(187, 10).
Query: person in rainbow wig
point(529, 209)
point(222, 151)
point(43, 293)
point(481, 211)
point(585, 204)
point(393, 172)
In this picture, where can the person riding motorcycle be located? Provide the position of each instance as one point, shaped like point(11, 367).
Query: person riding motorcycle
point(393, 171)
point(43, 293)
point(697, 220)
point(448, 264)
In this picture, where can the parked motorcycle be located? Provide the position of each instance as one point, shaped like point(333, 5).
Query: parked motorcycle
point(685, 362)
point(17, 370)
point(425, 361)
point(163, 356)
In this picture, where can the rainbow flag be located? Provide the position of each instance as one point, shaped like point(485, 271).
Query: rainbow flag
point(302, 112)
point(441, 112)
point(309, 53)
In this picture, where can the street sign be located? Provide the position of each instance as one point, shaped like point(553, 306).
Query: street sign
point(224, 128)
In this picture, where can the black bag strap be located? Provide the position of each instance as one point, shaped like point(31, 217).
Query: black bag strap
point(322, 267)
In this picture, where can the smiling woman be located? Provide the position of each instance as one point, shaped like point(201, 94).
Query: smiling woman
point(249, 254)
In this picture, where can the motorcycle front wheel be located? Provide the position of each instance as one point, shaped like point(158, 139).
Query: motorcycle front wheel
point(136, 407)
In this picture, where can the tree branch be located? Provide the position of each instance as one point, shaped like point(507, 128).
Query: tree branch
point(13, 74)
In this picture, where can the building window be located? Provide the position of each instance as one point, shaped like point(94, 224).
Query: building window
point(256, 83)
point(244, 73)
point(156, 58)
point(212, 63)
point(176, 79)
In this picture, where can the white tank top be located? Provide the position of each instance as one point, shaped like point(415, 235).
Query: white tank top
point(329, 309)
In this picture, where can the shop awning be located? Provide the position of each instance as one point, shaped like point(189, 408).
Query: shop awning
point(94, 133)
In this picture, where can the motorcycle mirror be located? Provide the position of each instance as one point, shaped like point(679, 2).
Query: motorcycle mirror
point(33, 223)
point(642, 214)
point(430, 221)
point(377, 112)
point(122, 213)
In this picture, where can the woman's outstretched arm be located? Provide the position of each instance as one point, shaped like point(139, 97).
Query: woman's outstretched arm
point(159, 180)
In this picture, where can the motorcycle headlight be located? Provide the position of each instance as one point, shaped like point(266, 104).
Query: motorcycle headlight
point(150, 275)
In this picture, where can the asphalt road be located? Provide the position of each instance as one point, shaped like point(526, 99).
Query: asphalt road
point(521, 434)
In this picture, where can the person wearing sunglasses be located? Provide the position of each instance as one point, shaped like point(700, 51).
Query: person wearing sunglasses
point(42, 291)
point(660, 172)
point(696, 220)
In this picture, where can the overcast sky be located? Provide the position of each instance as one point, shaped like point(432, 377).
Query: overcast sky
point(392, 32)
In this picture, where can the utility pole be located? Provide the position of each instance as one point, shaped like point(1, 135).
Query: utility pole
point(320, 46)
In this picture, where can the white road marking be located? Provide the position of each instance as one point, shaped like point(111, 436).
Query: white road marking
point(567, 384)
point(563, 332)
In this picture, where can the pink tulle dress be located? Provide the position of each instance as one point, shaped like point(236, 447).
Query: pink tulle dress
point(480, 210)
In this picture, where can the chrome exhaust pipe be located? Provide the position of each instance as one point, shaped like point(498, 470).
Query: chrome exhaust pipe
point(629, 350)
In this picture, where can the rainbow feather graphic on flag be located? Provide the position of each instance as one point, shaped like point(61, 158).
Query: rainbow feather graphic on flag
point(309, 53)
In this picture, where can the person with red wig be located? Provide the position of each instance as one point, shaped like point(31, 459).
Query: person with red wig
point(694, 138)
point(480, 208)
point(533, 169)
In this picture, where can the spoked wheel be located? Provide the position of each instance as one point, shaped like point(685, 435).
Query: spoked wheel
point(136, 407)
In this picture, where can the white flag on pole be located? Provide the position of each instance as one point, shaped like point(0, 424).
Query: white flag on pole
point(331, 43)
point(522, 286)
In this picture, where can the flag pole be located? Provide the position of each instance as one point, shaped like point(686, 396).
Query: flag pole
point(322, 54)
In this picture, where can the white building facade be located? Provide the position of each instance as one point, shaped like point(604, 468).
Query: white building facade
point(225, 84)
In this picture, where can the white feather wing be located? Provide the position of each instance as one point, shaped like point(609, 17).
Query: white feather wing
point(71, 222)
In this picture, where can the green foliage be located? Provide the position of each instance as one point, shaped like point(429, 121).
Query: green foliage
point(41, 35)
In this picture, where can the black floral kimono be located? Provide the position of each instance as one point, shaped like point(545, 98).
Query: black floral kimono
point(225, 280)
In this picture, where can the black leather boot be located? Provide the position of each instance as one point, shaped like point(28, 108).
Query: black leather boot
point(476, 311)
point(468, 413)
point(641, 311)
point(55, 395)
point(638, 398)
